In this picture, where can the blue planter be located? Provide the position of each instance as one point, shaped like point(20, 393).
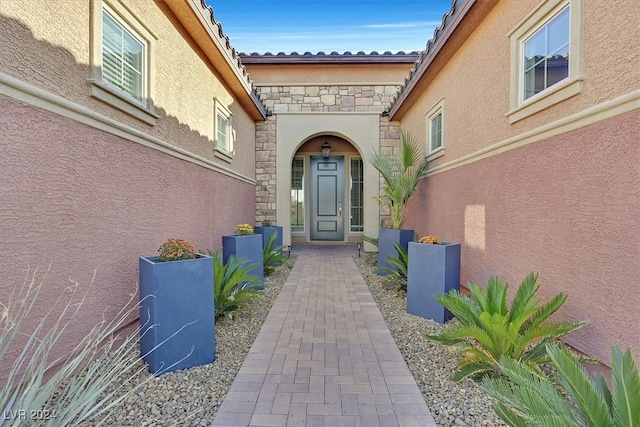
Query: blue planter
point(432, 269)
point(387, 237)
point(245, 247)
point(267, 232)
point(177, 313)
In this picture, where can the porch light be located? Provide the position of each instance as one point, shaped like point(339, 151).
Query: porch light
point(326, 149)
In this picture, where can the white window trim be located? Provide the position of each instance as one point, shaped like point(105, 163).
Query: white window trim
point(438, 108)
point(220, 152)
point(145, 110)
point(570, 86)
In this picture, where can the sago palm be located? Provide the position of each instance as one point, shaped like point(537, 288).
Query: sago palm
point(487, 330)
point(233, 285)
point(525, 397)
point(401, 175)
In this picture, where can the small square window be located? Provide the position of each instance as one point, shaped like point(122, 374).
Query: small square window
point(435, 128)
point(435, 132)
point(223, 131)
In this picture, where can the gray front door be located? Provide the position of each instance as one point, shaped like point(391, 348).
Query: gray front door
point(327, 198)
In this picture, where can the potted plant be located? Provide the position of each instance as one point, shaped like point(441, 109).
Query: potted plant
point(434, 267)
point(176, 308)
point(401, 175)
point(244, 244)
point(266, 230)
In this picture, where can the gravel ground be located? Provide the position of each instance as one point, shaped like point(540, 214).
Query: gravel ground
point(192, 397)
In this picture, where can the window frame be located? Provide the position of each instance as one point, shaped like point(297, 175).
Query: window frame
point(226, 151)
point(351, 189)
point(105, 91)
point(571, 85)
point(435, 111)
point(303, 230)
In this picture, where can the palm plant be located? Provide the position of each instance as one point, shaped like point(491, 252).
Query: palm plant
point(525, 397)
point(398, 275)
point(233, 286)
point(487, 330)
point(271, 255)
point(401, 175)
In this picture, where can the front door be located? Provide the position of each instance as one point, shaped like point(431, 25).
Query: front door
point(327, 198)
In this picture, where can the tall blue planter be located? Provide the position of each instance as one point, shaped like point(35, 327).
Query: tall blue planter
point(248, 247)
point(177, 315)
point(432, 269)
point(387, 237)
point(266, 233)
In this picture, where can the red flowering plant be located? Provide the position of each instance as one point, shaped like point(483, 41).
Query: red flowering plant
point(176, 249)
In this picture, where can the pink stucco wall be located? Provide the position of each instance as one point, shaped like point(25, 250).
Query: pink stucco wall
point(84, 201)
point(568, 208)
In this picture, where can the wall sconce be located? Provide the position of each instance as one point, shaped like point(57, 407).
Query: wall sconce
point(326, 149)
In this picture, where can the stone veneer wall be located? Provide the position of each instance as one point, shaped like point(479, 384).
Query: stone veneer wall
point(314, 98)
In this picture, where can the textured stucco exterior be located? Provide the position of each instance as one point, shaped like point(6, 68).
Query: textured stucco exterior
point(88, 188)
point(557, 192)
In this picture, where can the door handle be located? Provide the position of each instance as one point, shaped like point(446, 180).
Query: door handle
point(340, 209)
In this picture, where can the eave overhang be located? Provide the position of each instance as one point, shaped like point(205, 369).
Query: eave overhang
point(199, 23)
point(457, 25)
point(331, 58)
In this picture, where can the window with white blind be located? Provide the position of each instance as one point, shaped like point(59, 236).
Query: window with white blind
point(123, 58)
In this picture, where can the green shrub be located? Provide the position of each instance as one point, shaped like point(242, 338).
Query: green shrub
point(233, 286)
point(397, 277)
point(272, 256)
point(74, 388)
point(526, 397)
point(487, 330)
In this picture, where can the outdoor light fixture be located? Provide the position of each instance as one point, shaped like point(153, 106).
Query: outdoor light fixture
point(326, 149)
point(359, 247)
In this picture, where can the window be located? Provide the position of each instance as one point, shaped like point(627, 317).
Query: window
point(121, 58)
point(297, 195)
point(546, 58)
point(435, 132)
point(223, 131)
point(356, 187)
point(435, 128)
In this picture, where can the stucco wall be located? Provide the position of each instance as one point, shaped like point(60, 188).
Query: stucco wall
point(85, 200)
point(475, 82)
point(43, 49)
point(566, 207)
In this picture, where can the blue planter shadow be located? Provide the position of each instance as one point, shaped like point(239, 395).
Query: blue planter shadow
point(177, 315)
point(432, 269)
point(387, 237)
point(266, 232)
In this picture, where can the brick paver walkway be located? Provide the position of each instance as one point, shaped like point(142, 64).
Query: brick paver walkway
point(324, 356)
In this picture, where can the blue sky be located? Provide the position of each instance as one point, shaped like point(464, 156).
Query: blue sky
point(329, 25)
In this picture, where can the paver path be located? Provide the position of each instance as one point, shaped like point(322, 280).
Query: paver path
point(324, 355)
